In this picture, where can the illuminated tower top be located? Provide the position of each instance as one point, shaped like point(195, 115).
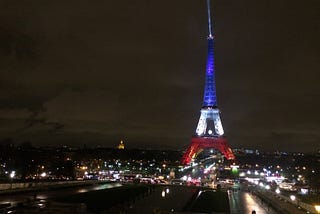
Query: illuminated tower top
point(210, 97)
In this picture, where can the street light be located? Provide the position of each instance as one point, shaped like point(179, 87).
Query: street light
point(12, 174)
point(292, 197)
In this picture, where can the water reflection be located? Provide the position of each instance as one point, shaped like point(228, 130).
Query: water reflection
point(165, 192)
point(107, 186)
point(99, 187)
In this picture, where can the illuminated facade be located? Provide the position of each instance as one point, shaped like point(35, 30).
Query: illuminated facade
point(121, 145)
point(209, 132)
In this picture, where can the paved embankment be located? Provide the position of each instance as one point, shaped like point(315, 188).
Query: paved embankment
point(17, 187)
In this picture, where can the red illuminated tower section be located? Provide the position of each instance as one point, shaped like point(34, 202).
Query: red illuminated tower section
point(209, 132)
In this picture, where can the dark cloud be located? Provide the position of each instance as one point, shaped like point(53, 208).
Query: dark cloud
point(96, 72)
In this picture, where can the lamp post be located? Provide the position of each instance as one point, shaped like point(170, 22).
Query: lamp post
point(293, 199)
point(12, 174)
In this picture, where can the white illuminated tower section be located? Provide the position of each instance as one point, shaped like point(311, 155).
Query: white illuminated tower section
point(209, 131)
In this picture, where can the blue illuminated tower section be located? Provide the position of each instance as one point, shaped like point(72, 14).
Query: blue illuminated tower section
point(209, 132)
point(210, 96)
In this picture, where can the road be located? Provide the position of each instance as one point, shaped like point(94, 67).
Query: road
point(282, 205)
point(245, 202)
point(242, 202)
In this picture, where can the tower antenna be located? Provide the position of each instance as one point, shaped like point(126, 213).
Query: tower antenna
point(209, 19)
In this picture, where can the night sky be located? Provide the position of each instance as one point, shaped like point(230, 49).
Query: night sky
point(95, 72)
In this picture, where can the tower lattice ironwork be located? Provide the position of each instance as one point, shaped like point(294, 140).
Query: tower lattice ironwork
point(209, 132)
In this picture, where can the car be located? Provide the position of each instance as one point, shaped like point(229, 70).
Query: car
point(177, 182)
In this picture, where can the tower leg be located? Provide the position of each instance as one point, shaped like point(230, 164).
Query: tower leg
point(199, 143)
point(190, 153)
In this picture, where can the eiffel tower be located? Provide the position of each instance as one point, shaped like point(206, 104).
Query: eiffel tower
point(209, 132)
